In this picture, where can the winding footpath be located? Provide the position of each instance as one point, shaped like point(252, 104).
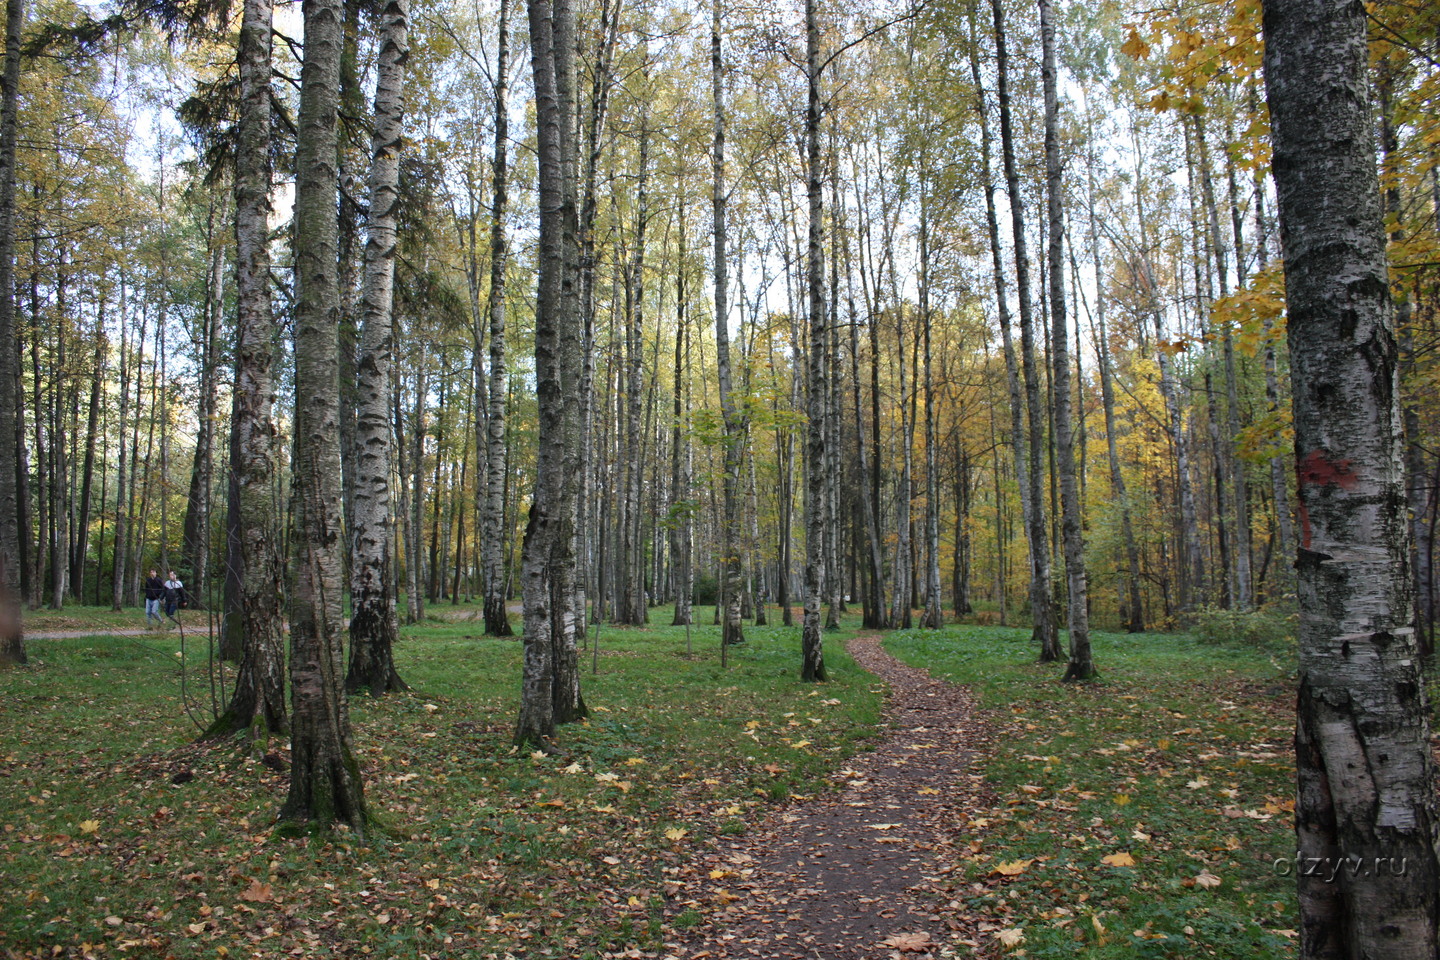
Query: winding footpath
point(854, 875)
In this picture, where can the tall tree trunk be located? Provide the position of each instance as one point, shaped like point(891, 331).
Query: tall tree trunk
point(258, 702)
point(812, 650)
point(81, 545)
point(1365, 773)
point(933, 618)
point(374, 622)
point(325, 782)
point(632, 551)
point(681, 512)
point(1082, 664)
point(732, 630)
point(196, 533)
point(1118, 489)
point(1042, 604)
point(12, 637)
point(497, 464)
point(548, 556)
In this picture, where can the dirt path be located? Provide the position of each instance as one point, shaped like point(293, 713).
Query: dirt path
point(850, 875)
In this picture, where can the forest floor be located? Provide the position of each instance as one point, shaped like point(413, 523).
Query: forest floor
point(701, 810)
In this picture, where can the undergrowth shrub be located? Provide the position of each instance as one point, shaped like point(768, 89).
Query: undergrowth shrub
point(1269, 627)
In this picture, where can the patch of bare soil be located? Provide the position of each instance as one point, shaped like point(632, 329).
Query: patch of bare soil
point(856, 874)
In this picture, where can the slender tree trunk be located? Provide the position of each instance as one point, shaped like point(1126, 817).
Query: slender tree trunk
point(1365, 773)
point(1107, 398)
point(812, 649)
point(1042, 609)
point(730, 534)
point(681, 512)
point(258, 703)
point(325, 781)
point(81, 545)
point(1081, 665)
point(497, 464)
point(374, 622)
point(934, 617)
point(196, 534)
point(12, 637)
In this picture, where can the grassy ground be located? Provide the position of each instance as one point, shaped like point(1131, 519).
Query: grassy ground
point(1139, 816)
point(104, 853)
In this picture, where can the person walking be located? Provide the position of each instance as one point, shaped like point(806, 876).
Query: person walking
point(174, 595)
point(154, 593)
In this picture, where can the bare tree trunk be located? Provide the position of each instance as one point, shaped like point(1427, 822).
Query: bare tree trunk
point(12, 636)
point(812, 650)
point(197, 505)
point(632, 552)
point(1107, 398)
point(681, 512)
point(1042, 604)
point(549, 690)
point(325, 782)
point(1365, 773)
point(1081, 665)
point(730, 534)
point(497, 463)
point(934, 617)
point(258, 702)
point(374, 622)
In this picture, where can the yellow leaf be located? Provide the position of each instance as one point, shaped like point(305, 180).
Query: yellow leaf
point(1135, 47)
point(1207, 880)
point(433, 884)
point(1012, 938)
point(719, 874)
point(800, 744)
point(1122, 799)
point(1121, 859)
point(89, 826)
point(573, 768)
point(605, 809)
point(675, 833)
point(1012, 868)
point(634, 761)
point(927, 791)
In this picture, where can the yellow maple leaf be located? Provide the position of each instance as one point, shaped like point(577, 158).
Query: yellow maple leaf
point(675, 833)
point(1012, 868)
point(1012, 938)
point(1121, 859)
point(89, 826)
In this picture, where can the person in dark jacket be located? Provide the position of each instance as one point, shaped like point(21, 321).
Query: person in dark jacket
point(154, 593)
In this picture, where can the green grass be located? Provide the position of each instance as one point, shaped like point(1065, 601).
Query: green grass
point(482, 850)
point(1179, 757)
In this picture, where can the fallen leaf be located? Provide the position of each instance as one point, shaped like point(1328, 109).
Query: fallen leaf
point(258, 892)
point(573, 768)
point(1012, 868)
point(1207, 880)
point(89, 826)
point(675, 833)
point(1012, 938)
point(909, 942)
point(928, 792)
point(1121, 859)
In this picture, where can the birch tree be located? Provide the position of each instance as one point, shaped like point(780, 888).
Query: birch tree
point(374, 621)
point(1365, 773)
point(325, 782)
